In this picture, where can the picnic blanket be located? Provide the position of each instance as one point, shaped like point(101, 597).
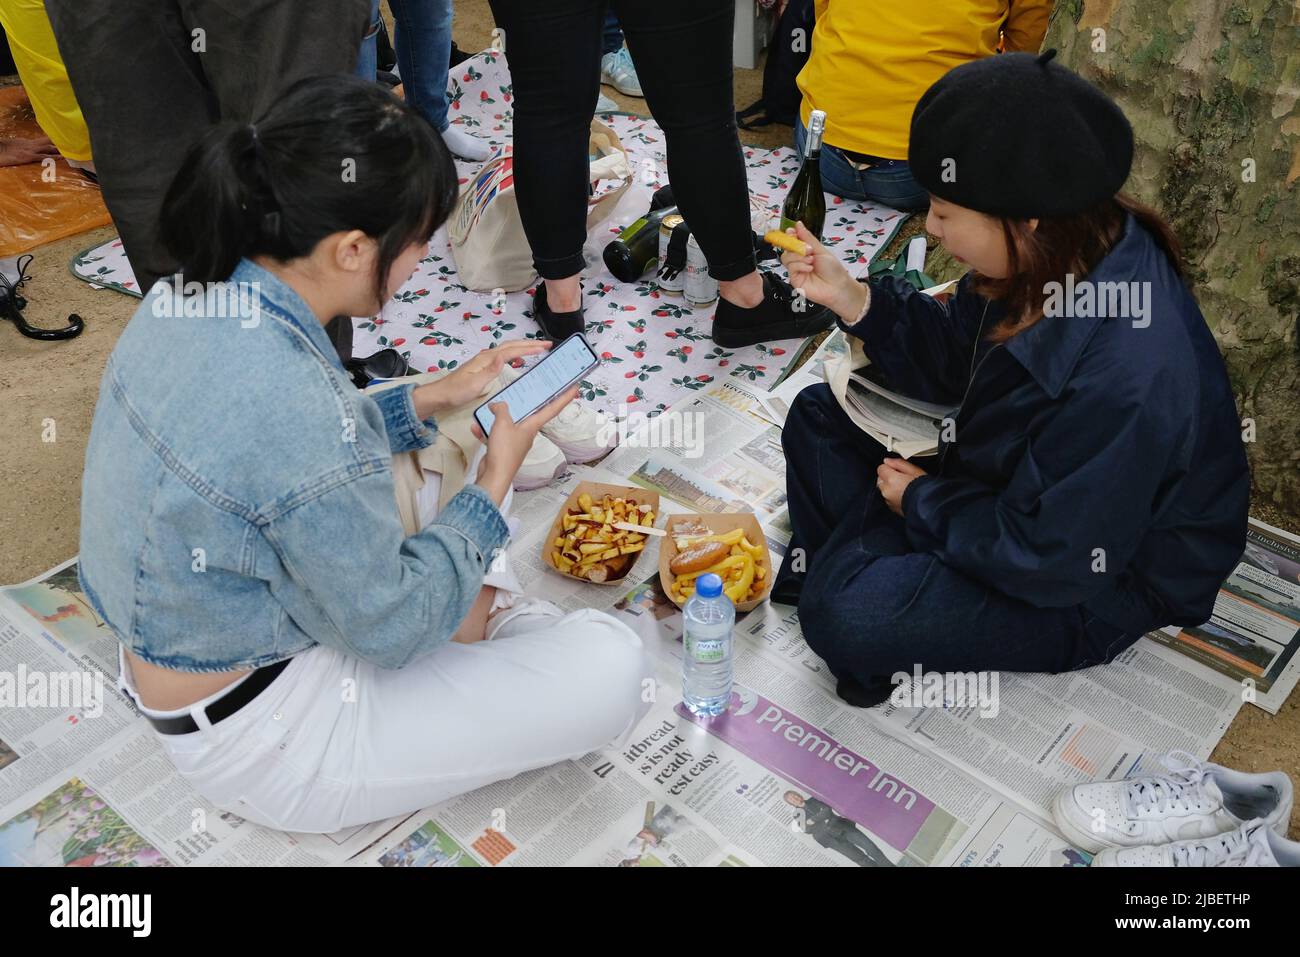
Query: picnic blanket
point(655, 347)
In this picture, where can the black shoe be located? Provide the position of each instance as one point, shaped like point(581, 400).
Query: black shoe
point(864, 696)
point(786, 591)
point(557, 326)
point(384, 364)
point(772, 319)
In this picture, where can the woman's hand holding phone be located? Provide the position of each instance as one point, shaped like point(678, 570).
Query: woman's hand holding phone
point(510, 441)
point(465, 384)
point(823, 278)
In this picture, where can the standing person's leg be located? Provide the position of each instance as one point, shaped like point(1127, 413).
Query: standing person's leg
point(616, 66)
point(682, 51)
point(151, 76)
point(250, 58)
point(145, 102)
point(612, 37)
point(423, 59)
point(553, 49)
point(367, 56)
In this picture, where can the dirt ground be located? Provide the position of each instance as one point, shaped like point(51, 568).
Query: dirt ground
point(40, 482)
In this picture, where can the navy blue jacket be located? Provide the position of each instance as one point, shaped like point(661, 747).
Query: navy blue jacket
point(1095, 461)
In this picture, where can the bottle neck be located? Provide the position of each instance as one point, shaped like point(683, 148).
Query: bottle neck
point(812, 146)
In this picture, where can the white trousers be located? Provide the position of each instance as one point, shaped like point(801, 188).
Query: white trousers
point(334, 741)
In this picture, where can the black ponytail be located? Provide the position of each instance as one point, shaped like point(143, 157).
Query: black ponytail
point(334, 153)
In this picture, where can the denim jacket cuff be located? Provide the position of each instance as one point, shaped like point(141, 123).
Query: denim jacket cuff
point(406, 431)
point(473, 514)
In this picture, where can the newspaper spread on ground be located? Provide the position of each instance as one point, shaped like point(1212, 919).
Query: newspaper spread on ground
point(83, 780)
point(790, 774)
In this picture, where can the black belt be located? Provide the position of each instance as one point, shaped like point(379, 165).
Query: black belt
point(227, 704)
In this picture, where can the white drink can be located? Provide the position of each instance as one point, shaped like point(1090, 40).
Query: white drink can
point(700, 288)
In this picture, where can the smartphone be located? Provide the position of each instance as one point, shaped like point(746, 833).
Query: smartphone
point(560, 368)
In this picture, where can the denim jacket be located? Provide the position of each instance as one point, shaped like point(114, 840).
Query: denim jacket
point(238, 503)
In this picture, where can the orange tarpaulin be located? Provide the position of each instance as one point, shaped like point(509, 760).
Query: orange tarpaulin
point(40, 203)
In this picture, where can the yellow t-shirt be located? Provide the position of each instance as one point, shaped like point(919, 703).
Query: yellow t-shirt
point(871, 61)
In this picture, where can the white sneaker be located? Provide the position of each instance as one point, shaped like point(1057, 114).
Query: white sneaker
point(580, 432)
point(605, 105)
point(618, 70)
point(1254, 844)
point(466, 145)
point(1197, 800)
point(543, 464)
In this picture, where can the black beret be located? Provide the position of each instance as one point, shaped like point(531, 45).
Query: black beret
point(1021, 136)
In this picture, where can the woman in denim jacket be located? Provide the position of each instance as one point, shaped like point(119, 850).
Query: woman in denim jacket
point(306, 664)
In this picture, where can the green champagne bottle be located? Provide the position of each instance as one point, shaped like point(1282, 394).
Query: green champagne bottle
point(806, 202)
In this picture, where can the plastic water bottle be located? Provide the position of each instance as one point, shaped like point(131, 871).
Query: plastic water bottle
point(707, 664)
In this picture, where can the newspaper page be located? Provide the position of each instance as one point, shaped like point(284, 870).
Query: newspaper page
point(83, 781)
point(1254, 632)
point(729, 792)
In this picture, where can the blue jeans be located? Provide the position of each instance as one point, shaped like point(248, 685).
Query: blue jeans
point(890, 183)
point(423, 42)
point(367, 57)
point(612, 37)
point(870, 605)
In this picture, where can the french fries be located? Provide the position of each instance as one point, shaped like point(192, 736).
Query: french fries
point(743, 571)
point(782, 240)
point(590, 547)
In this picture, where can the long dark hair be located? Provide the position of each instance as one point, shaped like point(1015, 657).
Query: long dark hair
point(1064, 244)
point(334, 153)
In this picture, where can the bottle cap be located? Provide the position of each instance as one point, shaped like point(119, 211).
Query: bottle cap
point(816, 121)
point(708, 586)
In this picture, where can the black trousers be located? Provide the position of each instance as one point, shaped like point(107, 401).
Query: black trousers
point(682, 51)
point(151, 76)
point(871, 605)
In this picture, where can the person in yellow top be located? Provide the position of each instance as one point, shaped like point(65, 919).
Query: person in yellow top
point(870, 63)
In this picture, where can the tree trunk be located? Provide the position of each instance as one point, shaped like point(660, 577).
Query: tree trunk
point(1211, 88)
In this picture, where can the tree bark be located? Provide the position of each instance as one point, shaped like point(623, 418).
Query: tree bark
point(1211, 88)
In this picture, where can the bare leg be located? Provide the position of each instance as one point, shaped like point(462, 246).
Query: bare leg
point(474, 627)
point(564, 295)
point(746, 292)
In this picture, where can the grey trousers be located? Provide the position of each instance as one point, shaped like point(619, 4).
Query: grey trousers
point(151, 76)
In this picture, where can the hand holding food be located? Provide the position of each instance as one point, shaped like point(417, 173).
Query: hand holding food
point(590, 546)
point(821, 276)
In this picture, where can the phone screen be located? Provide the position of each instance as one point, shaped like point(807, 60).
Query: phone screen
point(564, 365)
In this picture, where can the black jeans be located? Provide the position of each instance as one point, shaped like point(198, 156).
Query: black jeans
point(148, 95)
point(682, 51)
point(871, 605)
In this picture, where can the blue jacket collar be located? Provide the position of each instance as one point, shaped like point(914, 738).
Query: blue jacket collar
point(1050, 349)
point(277, 295)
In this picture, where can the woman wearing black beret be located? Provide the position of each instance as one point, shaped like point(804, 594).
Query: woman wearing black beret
point(1093, 485)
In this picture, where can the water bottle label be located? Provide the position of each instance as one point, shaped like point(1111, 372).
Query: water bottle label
point(706, 651)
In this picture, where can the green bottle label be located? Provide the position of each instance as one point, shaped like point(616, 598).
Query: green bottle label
point(630, 231)
point(706, 651)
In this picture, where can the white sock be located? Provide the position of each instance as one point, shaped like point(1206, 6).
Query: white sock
point(464, 145)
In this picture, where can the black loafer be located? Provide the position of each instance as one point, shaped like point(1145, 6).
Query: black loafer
point(775, 318)
point(557, 326)
point(851, 691)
